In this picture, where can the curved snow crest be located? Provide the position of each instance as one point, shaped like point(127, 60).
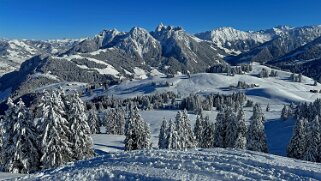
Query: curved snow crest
point(209, 164)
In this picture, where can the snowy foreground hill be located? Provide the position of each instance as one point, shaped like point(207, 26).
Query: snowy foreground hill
point(211, 164)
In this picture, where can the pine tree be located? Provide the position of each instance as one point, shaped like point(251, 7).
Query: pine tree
point(231, 128)
point(313, 141)
point(162, 141)
point(55, 146)
point(80, 138)
point(240, 140)
point(208, 134)
point(267, 107)
point(298, 143)
point(120, 121)
point(285, 113)
point(20, 153)
point(300, 77)
point(256, 139)
point(111, 127)
point(172, 138)
point(8, 145)
point(26, 155)
point(257, 112)
point(184, 130)
point(137, 132)
point(93, 122)
point(146, 141)
point(220, 130)
point(198, 130)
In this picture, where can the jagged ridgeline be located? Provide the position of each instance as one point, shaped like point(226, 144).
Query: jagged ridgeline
point(111, 55)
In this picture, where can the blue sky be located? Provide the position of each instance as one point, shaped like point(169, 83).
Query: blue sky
point(48, 19)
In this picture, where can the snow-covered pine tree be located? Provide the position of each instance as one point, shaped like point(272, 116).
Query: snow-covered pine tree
point(137, 132)
point(146, 105)
point(267, 107)
point(298, 143)
point(257, 112)
point(184, 130)
point(93, 122)
point(56, 148)
point(256, 138)
point(26, 156)
point(162, 141)
point(120, 120)
point(8, 145)
point(285, 113)
point(80, 137)
point(300, 77)
point(146, 142)
point(231, 128)
point(240, 141)
point(313, 141)
point(208, 134)
point(111, 127)
point(198, 130)
point(172, 136)
point(220, 130)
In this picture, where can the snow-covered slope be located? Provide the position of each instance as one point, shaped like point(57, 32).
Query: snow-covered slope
point(235, 40)
point(309, 52)
point(211, 164)
point(14, 52)
point(274, 89)
point(286, 41)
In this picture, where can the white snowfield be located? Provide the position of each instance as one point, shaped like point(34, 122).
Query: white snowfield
point(275, 90)
point(109, 70)
point(210, 164)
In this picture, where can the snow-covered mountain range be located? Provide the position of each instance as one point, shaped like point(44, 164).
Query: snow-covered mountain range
point(15, 52)
point(112, 55)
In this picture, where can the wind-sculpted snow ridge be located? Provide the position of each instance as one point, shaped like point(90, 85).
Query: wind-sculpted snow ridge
point(209, 164)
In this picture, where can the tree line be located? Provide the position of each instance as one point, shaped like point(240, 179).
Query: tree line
point(229, 131)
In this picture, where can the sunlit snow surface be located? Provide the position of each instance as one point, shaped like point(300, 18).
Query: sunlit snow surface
point(211, 164)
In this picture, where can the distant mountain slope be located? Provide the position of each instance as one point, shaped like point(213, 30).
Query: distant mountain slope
point(187, 51)
point(43, 70)
point(207, 164)
point(308, 52)
point(15, 52)
point(305, 59)
point(235, 40)
point(168, 48)
point(287, 41)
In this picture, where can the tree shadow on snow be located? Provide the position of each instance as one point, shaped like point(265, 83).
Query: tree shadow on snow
point(109, 146)
point(278, 134)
